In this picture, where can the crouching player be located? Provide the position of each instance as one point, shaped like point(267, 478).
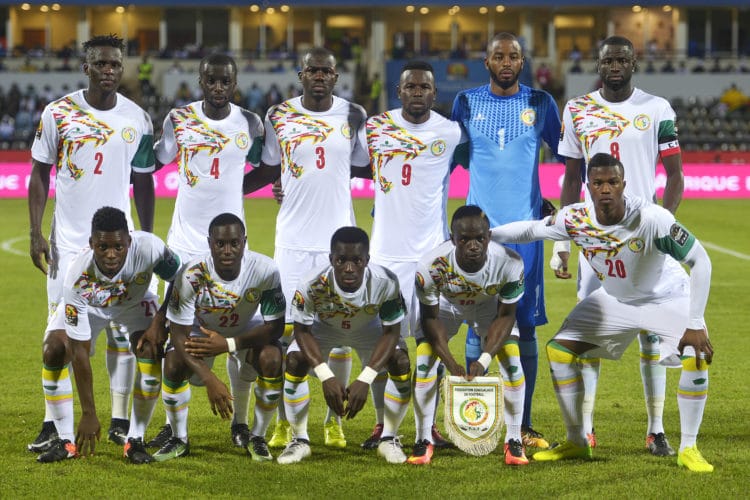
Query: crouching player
point(106, 282)
point(221, 292)
point(634, 247)
point(358, 305)
point(469, 278)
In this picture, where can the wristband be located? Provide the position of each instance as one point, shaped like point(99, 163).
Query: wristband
point(367, 375)
point(323, 372)
point(485, 359)
point(561, 246)
point(231, 345)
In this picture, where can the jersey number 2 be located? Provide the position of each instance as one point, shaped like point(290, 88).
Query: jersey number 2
point(99, 157)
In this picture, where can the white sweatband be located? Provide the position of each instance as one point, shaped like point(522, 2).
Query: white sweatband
point(561, 246)
point(485, 359)
point(323, 372)
point(367, 375)
point(231, 345)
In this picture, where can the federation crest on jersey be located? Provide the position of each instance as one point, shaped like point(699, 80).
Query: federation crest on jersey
point(252, 295)
point(642, 122)
point(128, 134)
point(242, 140)
point(141, 278)
point(528, 117)
point(298, 301)
point(346, 130)
point(437, 148)
point(636, 245)
point(491, 290)
point(71, 315)
point(371, 309)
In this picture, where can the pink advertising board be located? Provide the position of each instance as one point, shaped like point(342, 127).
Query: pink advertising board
point(702, 180)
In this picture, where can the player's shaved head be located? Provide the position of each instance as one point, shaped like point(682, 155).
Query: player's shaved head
point(108, 220)
point(503, 36)
point(618, 40)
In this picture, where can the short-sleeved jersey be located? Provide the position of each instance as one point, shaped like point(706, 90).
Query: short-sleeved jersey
point(506, 134)
point(439, 278)
point(95, 152)
point(411, 169)
point(227, 307)
point(86, 288)
point(318, 299)
point(211, 156)
point(316, 151)
point(636, 131)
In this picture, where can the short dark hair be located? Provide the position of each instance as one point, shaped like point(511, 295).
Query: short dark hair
point(417, 65)
point(320, 52)
point(352, 235)
point(605, 160)
point(504, 35)
point(217, 59)
point(109, 220)
point(617, 40)
point(225, 219)
point(466, 211)
point(110, 40)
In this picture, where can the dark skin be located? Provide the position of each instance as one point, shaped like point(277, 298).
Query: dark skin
point(103, 67)
point(349, 261)
point(471, 236)
point(504, 62)
point(616, 66)
point(607, 185)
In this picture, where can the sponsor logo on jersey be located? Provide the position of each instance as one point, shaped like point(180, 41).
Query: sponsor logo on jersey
point(636, 245)
point(128, 135)
point(479, 117)
point(346, 131)
point(438, 147)
point(371, 308)
point(71, 315)
point(679, 234)
point(251, 295)
point(141, 278)
point(419, 281)
point(642, 122)
point(298, 301)
point(242, 140)
point(528, 116)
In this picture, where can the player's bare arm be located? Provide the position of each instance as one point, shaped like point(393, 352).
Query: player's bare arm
point(89, 429)
point(143, 194)
point(571, 193)
point(357, 392)
point(332, 389)
point(214, 344)
point(38, 192)
point(260, 177)
point(675, 182)
point(436, 335)
point(497, 334)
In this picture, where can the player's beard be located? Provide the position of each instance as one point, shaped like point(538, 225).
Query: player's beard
point(504, 84)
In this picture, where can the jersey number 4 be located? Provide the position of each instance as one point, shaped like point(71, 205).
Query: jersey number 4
point(215, 168)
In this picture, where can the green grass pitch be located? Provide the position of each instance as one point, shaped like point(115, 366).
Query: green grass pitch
point(621, 465)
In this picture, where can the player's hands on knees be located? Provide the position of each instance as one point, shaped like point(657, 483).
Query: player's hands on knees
point(156, 334)
point(699, 341)
point(89, 432)
point(39, 251)
point(278, 192)
point(356, 397)
point(212, 344)
point(220, 398)
point(334, 393)
point(559, 260)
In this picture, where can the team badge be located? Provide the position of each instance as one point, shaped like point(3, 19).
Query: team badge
point(371, 309)
point(438, 147)
point(128, 134)
point(251, 295)
point(528, 116)
point(298, 301)
point(679, 234)
point(474, 412)
point(491, 290)
point(636, 245)
point(419, 281)
point(71, 315)
point(346, 131)
point(241, 140)
point(141, 278)
point(642, 122)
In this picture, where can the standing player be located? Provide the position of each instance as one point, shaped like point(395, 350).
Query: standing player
point(355, 304)
point(212, 140)
point(109, 281)
point(470, 279)
point(506, 123)
point(638, 129)
point(634, 247)
point(98, 140)
point(312, 144)
point(222, 291)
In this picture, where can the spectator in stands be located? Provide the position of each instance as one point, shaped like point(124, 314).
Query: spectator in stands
point(376, 88)
point(650, 68)
point(668, 67)
point(145, 70)
point(699, 67)
point(716, 67)
point(273, 96)
point(682, 67)
point(255, 99)
point(544, 77)
point(65, 66)
point(345, 92)
point(734, 99)
point(2, 65)
point(175, 68)
point(13, 101)
point(28, 66)
point(183, 95)
point(7, 128)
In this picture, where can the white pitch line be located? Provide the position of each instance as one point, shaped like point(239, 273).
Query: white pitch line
point(7, 246)
point(725, 250)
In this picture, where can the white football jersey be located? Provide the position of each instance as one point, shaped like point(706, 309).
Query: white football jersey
point(411, 169)
point(440, 278)
point(94, 152)
point(316, 151)
point(319, 299)
point(211, 156)
point(86, 287)
point(635, 131)
point(227, 307)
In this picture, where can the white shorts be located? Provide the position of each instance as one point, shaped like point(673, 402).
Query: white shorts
point(406, 271)
point(293, 264)
point(603, 321)
point(480, 319)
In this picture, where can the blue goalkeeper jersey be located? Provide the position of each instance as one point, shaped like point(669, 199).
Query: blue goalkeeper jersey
point(503, 154)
